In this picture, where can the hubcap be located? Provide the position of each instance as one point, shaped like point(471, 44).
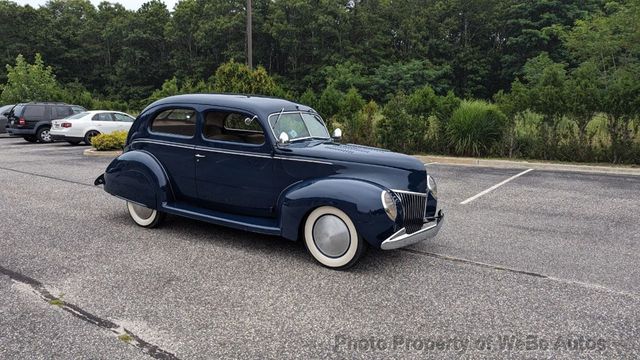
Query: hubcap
point(143, 212)
point(45, 135)
point(331, 236)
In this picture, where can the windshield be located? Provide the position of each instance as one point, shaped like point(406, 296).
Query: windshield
point(77, 116)
point(298, 125)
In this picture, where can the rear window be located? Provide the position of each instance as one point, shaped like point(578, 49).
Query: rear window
point(17, 110)
point(175, 122)
point(77, 116)
point(33, 111)
point(77, 109)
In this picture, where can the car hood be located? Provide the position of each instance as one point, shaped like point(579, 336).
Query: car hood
point(329, 151)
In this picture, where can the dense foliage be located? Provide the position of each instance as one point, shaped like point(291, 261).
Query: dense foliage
point(563, 72)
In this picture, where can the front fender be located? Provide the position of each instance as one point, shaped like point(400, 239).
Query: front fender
point(139, 177)
point(358, 199)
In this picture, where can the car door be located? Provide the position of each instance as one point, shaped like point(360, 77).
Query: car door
point(171, 139)
point(104, 122)
point(123, 122)
point(234, 164)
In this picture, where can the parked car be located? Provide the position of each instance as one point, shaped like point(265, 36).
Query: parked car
point(85, 125)
point(269, 165)
point(3, 118)
point(32, 120)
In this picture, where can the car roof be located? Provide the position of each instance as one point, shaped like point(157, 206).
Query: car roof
point(261, 105)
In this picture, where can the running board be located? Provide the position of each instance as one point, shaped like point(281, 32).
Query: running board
point(241, 222)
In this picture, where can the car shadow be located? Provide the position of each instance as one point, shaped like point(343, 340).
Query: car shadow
point(373, 261)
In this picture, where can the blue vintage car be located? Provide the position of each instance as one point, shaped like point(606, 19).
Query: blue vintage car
point(270, 166)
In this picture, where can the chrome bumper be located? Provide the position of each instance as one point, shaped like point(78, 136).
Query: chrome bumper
point(402, 239)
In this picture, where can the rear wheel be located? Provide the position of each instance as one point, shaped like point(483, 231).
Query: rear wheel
point(30, 138)
point(332, 239)
point(144, 216)
point(89, 135)
point(43, 135)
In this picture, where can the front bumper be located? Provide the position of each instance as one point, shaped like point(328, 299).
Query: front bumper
point(402, 239)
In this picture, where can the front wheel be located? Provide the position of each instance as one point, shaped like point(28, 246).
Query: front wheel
point(143, 216)
point(332, 239)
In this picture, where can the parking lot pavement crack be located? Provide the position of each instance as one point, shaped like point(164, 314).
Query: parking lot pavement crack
point(122, 334)
point(521, 272)
point(47, 177)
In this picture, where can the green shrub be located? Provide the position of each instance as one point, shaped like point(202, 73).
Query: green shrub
point(475, 127)
point(111, 141)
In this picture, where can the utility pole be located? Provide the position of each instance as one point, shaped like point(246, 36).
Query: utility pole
point(249, 36)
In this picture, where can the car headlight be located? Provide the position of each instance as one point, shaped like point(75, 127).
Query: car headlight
point(389, 205)
point(433, 187)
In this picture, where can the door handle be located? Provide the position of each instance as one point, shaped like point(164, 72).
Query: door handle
point(200, 156)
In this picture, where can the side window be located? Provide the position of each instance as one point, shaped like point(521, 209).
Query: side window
point(102, 117)
point(233, 127)
point(123, 118)
point(61, 111)
point(33, 111)
point(77, 109)
point(175, 121)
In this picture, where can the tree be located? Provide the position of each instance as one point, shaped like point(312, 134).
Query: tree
point(233, 77)
point(30, 82)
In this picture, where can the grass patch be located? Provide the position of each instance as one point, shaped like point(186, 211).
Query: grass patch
point(125, 337)
point(56, 302)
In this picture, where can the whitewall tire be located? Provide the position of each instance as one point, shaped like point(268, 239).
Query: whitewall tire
point(144, 216)
point(332, 239)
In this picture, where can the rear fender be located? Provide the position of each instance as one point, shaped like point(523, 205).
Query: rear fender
point(360, 200)
point(139, 177)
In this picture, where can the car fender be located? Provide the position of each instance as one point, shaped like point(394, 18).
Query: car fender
point(40, 124)
point(359, 199)
point(88, 128)
point(138, 176)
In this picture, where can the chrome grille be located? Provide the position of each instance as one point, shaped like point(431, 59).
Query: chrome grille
point(414, 207)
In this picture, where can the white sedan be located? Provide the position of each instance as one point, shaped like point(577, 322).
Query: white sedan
point(85, 125)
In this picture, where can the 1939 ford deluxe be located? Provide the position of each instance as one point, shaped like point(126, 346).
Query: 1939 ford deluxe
point(270, 166)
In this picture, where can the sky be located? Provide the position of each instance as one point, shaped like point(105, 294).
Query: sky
point(129, 4)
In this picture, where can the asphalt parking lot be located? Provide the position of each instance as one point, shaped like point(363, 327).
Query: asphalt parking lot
point(543, 267)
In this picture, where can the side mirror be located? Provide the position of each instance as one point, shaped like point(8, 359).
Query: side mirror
point(337, 134)
point(283, 138)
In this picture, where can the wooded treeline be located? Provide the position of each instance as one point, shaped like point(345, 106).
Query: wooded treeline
point(556, 79)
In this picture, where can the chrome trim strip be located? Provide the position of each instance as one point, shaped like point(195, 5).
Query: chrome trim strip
point(232, 152)
point(162, 142)
point(303, 160)
point(225, 151)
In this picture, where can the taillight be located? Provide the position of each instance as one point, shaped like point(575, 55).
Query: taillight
point(21, 121)
point(66, 125)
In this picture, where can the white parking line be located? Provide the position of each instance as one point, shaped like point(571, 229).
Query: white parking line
point(494, 187)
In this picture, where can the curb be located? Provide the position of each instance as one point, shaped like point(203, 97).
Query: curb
point(511, 164)
point(96, 153)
